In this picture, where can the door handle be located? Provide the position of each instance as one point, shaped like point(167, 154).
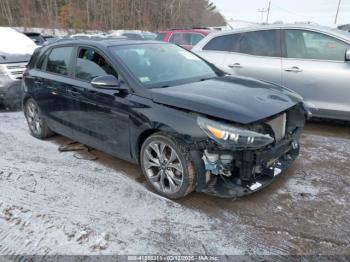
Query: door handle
point(38, 82)
point(235, 65)
point(293, 69)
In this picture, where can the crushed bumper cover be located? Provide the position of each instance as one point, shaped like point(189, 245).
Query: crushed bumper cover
point(273, 162)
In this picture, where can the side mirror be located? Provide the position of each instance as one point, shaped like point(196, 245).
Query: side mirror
point(105, 82)
point(347, 55)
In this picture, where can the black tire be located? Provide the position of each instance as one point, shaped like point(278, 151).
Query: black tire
point(188, 175)
point(37, 124)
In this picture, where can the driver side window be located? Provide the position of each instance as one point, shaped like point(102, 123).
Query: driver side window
point(312, 45)
point(91, 64)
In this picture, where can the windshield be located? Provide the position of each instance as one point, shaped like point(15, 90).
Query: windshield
point(161, 65)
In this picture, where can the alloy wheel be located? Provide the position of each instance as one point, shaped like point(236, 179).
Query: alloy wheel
point(33, 118)
point(163, 167)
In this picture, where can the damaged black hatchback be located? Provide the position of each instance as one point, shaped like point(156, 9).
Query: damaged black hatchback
point(188, 125)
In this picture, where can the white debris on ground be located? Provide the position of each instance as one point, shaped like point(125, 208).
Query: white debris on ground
point(53, 203)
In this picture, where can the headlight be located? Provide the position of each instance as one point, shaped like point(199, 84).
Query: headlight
point(236, 137)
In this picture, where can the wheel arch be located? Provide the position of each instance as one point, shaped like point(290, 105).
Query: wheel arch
point(142, 138)
point(25, 98)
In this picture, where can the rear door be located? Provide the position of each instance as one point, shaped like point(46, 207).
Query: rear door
point(52, 81)
point(217, 50)
point(101, 118)
point(314, 67)
point(256, 54)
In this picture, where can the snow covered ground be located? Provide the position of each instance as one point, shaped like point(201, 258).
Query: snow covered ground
point(53, 203)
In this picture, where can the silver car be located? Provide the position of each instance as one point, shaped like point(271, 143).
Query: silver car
point(314, 61)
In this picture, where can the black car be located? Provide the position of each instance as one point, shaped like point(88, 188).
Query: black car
point(36, 37)
point(187, 124)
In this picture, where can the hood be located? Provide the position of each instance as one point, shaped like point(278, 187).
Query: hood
point(237, 99)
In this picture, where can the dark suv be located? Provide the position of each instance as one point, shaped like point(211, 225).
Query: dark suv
point(186, 123)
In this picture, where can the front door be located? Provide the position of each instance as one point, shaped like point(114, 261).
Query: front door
point(314, 67)
point(101, 118)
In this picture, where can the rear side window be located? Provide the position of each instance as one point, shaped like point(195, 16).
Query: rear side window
point(58, 60)
point(226, 43)
point(260, 43)
point(91, 64)
point(41, 60)
point(34, 58)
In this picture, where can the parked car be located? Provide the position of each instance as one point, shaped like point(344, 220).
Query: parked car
point(133, 35)
point(37, 38)
point(184, 121)
point(48, 37)
point(130, 34)
point(149, 35)
point(311, 60)
point(15, 52)
point(51, 40)
point(186, 38)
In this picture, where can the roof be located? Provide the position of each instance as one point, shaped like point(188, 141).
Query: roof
point(194, 30)
point(106, 42)
point(313, 27)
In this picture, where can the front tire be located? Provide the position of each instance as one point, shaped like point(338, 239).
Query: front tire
point(167, 166)
point(37, 124)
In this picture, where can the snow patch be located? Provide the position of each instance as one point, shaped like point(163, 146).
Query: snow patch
point(13, 42)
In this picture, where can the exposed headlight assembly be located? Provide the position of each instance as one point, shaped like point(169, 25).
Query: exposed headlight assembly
point(236, 137)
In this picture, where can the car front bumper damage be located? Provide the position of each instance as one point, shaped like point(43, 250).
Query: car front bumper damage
point(246, 171)
point(251, 171)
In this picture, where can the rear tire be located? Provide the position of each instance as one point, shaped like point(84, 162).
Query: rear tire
point(167, 166)
point(36, 122)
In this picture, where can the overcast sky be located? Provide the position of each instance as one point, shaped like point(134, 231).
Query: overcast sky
point(319, 11)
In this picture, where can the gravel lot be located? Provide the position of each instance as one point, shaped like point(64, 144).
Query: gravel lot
point(54, 203)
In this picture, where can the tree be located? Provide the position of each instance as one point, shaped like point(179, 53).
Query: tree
point(109, 14)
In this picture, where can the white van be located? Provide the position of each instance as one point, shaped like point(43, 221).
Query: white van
point(15, 52)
